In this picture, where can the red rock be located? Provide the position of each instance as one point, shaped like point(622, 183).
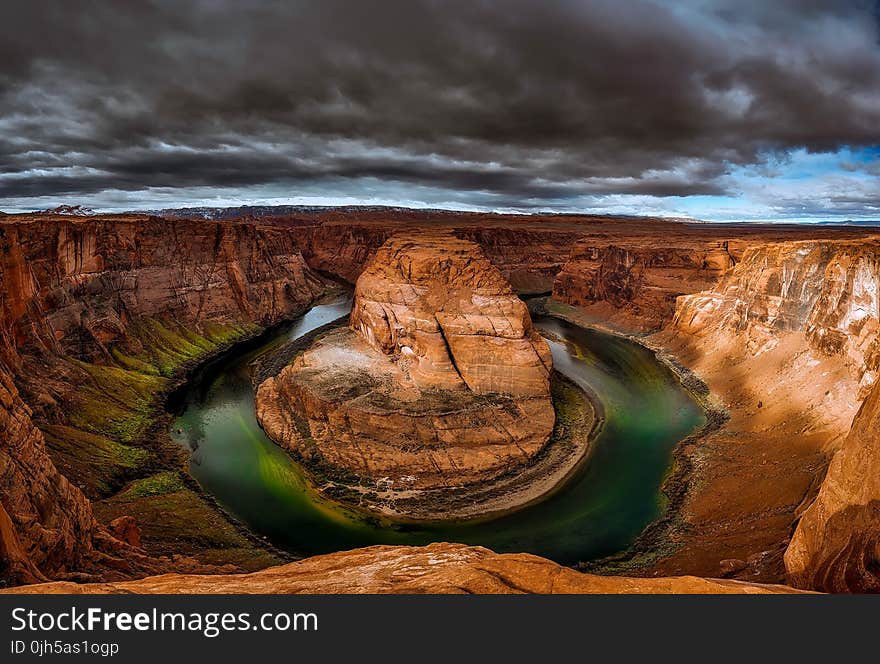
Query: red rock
point(125, 529)
point(436, 568)
point(70, 289)
point(442, 380)
point(639, 280)
point(836, 546)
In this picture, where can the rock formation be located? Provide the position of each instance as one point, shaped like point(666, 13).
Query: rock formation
point(637, 283)
point(440, 379)
point(436, 568)
point(788, 339)
point(836, 547)
point(528, 258)
point(46, 524)
point(826, 291)
point(98, 314)
point(93, 312)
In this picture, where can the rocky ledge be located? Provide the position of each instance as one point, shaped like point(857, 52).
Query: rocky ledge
point(439, 381)
point(436, 568)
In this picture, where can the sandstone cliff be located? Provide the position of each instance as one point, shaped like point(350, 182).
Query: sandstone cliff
point(528, 258)
point(50, 527)
point(825, 291)
point(787, 341)
point(436, 568)
point(440, 380)
point(97, 313)
point(96, 316)
point(636, 283)
point(836, 547)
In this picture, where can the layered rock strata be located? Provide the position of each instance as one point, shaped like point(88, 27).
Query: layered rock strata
point(46, 524)
point(825, 291)
point(83, 301)
point(439, 380)
point(96, 315)
point(636, 283)
point(787, 339)
point(836, 546)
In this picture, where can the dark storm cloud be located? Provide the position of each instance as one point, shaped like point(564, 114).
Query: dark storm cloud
point(531, 102)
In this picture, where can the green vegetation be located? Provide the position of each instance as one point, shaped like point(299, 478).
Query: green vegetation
point(133, 363)
point(115, 402)
point(109, 417)
point(159, 484)
point(176, 520)
point(168, 350)
point(100, 465)
point(118, 402)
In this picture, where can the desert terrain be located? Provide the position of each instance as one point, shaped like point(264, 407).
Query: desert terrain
point(773, 329)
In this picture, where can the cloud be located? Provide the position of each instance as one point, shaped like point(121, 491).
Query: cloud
point(532, 105)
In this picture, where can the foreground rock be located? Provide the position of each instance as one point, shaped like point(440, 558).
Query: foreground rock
point(440, 380)
point(436, 568)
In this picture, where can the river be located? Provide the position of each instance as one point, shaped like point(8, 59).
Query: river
point(599, 511)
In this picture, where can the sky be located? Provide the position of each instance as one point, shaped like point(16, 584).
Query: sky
point(714, 109)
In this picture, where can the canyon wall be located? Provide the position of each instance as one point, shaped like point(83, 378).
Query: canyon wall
point(46, 524)
point(97, 316)
point(636, 283)
point(105, 311)
point(81, 280)
point(788, 340)
point(528, 258)
point(825, 291)
point(836, 546)
point(785, 332)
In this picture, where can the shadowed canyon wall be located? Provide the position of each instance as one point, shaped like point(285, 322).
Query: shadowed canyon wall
point(528, 257)
point(636, 283)
point(97, 318)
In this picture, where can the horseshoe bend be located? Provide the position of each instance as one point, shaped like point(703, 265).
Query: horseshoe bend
point(656, 406)
point(439, 379)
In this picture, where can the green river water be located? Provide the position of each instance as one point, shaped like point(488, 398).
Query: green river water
point(599, 511)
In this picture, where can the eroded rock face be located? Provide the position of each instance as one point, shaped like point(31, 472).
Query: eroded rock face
point(46, 523)
point(827, 291)
point(436, 568)
point(440, 380)
point(637, 283)
point(788, 338)
point(439, 307)
point(87, 279)
point(528, 253)
point(75, 298)
point(836, 546)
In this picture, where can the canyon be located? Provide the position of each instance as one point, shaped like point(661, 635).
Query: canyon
point(102, 316)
